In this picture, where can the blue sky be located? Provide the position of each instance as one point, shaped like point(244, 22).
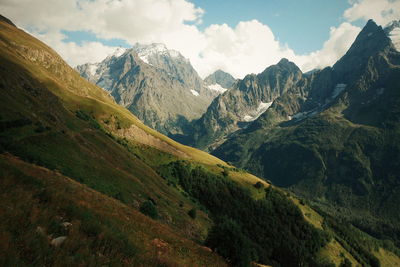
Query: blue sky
point(303, 25)
point(237, 36)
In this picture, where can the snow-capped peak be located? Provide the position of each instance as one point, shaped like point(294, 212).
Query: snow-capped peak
point(153, 48)
point(117, 52)
point(144, 51)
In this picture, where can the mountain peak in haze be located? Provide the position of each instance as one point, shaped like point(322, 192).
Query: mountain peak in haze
point(219, 81)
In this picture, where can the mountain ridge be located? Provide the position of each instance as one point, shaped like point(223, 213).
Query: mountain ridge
point(339, 148)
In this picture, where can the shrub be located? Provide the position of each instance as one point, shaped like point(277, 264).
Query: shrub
point(258, 185)
point(148, 208)
point(192, 213)
point(346, 263)
point(227, 239)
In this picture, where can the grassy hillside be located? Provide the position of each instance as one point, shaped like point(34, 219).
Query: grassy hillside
point(38, 205)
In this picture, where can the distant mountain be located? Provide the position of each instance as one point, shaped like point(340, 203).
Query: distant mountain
point(219, 81)
point(156, 84)
point(247, 100)
point(334, 136)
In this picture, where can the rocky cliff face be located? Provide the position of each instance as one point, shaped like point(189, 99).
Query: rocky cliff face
point(156, 84)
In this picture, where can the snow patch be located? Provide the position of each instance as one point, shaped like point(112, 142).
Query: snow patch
point(119, 52)
point(369, 34)
point(395, 37)
point(305, 114)
point(174, 53)
point(262, 107)
point(92, 69)
point(299, 115)
point(338, 89)
point(248, 118)
point(144, 59)
point(195, 93)
point(145, 51)
point(217, 87)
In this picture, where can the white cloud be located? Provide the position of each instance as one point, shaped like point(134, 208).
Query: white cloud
point(133, 21)
point(335, 47)
point(87, 52)
point(249, 47)
point(381, 11)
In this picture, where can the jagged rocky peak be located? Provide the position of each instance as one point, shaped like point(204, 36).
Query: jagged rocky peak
point(284, 64)
point(276, 77)
point(370, 41)
point(219, 81)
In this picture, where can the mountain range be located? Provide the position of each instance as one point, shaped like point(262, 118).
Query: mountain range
point(149, 80)
point(85, 182)
point(334, 137)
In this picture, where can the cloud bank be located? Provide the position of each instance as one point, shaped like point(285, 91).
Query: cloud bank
point(381, 11)
point(249, 47)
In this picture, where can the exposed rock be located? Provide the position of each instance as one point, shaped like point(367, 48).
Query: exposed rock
point(161, 246)
point(58, 241)
point(66, 225)
point(40, 230)
point(207, 249)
